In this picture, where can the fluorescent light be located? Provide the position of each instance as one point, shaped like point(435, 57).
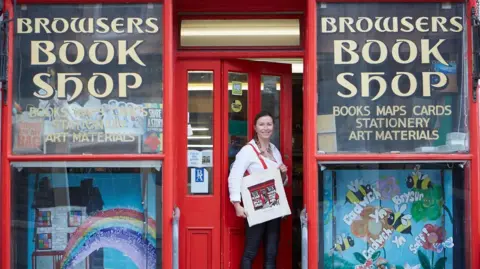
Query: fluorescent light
point(240, 32)
point(200, 129)
point(200, 146)
point(199, 137)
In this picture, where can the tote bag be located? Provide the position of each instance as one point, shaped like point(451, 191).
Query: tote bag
point(263, 196)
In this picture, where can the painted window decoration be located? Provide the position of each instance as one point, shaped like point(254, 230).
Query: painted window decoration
point(44, 241)
point(44, 218)
point(92, 85)
point(392, 218)
point(69, 235)
point(391, 77)
point(105, 218)
point(74, 218)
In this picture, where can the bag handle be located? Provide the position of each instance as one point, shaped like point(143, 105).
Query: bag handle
point(259, 157)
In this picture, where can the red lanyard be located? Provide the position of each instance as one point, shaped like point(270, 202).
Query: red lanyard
point(259, 157)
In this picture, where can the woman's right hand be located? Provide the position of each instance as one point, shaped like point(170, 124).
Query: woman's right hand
point(240, 211)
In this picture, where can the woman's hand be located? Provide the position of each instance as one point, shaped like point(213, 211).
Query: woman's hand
point(240, 211)
point(283, 168)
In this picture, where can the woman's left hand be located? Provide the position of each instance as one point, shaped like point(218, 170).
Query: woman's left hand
point(283, 168)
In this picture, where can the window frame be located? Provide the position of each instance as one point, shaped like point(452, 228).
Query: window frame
point(166, 156)
point(310, 142)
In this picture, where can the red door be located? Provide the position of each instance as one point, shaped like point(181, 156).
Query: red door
point(215, 121)
point(264, 86)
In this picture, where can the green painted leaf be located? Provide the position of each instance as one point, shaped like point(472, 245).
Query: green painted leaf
point(376, 255)
point(359, 257)
point(440, 264)
point(424, 260)
point(399, 267)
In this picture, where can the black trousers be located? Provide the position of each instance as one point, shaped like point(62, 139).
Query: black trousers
point(270, 233)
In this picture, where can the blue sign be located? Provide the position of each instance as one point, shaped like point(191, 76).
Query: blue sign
point(199, 177)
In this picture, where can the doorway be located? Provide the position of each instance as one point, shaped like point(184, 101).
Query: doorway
point(222, 99)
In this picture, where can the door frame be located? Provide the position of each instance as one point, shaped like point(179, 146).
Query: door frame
point(220, 109)
point(254, 106)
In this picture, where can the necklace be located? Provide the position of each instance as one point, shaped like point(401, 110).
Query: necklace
point(267, 152)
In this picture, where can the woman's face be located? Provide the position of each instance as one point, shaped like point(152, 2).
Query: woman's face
point(264, 127)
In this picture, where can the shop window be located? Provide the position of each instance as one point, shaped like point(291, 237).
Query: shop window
point(392, 77)
point(393, 216)
point(88, 79)
point(86, 215)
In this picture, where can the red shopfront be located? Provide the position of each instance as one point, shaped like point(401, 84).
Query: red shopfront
point(116, 114)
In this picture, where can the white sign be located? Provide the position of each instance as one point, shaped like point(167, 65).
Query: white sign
point(198, 158)
point(198, 180)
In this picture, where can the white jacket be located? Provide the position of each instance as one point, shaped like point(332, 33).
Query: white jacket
point(247, 160)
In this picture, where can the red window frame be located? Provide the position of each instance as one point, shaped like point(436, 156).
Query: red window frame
point(168, 169)
point(310, 144)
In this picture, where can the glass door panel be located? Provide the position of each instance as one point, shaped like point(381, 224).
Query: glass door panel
point(270, 89)
point(86, 215)
point(200, 132)
point(237, 113)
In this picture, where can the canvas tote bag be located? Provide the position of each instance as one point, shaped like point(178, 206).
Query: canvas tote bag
point(263, 195)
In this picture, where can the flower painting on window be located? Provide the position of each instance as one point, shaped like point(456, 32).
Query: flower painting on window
point(389, 219)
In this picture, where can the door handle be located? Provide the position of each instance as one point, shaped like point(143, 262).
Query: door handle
point(286, 157)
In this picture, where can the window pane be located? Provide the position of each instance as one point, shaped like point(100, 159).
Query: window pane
point(392, 77)
point(88, 79)
point(393, 214)
point(86, 215)
point(271, 103)
point(237, 113)
point(200, 132)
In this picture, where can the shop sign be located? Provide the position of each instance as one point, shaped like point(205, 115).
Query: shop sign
point(94, 84)
point(393, 82)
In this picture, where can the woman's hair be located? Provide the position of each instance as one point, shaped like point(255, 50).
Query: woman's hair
point(262, 113)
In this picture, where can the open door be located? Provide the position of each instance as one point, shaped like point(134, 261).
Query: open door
point(249, 87)
point(214, 124)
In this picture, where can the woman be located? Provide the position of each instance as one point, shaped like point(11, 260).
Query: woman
point(257, 155)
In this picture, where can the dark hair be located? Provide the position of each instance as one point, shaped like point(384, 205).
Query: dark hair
point(262, 113)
